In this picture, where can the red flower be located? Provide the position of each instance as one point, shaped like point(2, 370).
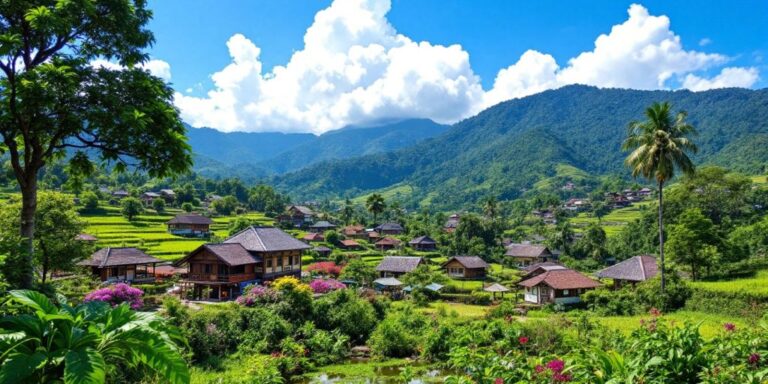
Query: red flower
point(754, 359)
point(654, 312)
point(523, 340)
point(561, 377)
point(539, 368)
point(498, 380)
point(730, 327)
point(556, 365)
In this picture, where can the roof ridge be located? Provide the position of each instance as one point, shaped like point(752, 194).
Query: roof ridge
point(106, 257)
point(642, 266)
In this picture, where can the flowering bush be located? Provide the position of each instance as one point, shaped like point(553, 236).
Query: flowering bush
point(325, 285)
point(257, 294)
point(326, 268)
point(118, 294)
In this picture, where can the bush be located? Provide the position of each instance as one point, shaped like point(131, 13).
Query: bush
point(325, 285)
point(131, 207)
point(90, 201)
point(673, 298)
point(187, 207)
point(345, 311)
point(477, 298)
point(116, 295)
point(398, 334)
point(325, 268)
point(607, 302)
point(742, 304)
point(158, 205)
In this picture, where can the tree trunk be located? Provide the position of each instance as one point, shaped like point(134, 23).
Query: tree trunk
point(27, 229)
point(661, 235)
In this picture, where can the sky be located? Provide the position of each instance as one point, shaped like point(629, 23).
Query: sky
point(315, 66)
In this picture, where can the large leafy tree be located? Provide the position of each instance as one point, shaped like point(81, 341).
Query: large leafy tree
point(85, 344)
point(658, 146)
point(375, 205)
point(54, 102)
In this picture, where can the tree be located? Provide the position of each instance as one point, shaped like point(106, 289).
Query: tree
point(332, 237)
point(56, 247)
point(225, 206)
point(187, 207)
point(490, 207)
point(360, 271)
point(693, 241)
point(347, 211)
point(659, 145)
point(375, 205)
point(53, 101)
point(83, 344)
point(90, 201)
point(600, 209)
point(238, 224)
point(131, 207)
point(158, 205)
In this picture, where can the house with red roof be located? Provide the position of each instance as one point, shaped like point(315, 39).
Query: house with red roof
point(558, 286)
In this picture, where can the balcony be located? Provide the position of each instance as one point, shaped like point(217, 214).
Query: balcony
point(221, 278)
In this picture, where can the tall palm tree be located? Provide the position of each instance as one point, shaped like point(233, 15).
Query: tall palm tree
point(660, 144)
point(375, 205)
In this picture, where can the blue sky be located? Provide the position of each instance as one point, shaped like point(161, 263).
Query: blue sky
point(715, 38)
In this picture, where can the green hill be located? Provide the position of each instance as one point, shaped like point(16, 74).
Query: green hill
point(508, 148)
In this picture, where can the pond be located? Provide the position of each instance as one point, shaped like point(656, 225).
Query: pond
point(368, 372)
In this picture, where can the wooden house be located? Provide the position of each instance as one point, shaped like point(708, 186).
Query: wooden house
point(120, 194)
point(373, 236)
point(122, 265)
point(321, 227)
point(310, 237)
point(562, 286)
point(354, 232)
point(322, 251)
point(390, 229)
point(395, 266)
point(524, 255)
point(251, 256)
point(423, 243)
point(349, 244)
point(452, 223)
point(298, 216)
point(387, 243)
point(539, 268)
point(168, 194)
point(190, 225)
point(631, 271)
point(465, 267)
point(149, 197)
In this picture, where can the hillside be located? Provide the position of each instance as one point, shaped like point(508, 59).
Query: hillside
point(507, 148)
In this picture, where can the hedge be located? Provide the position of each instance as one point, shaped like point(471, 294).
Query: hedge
point(740, 303)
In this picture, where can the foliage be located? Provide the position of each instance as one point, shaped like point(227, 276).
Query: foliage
point(325, 285)
point(158, 205)
point(375, 205)
point(84, 344)
point(325, 268)
point(348, 313)
point(90, 200)
point(225, 206)
point(116, 295)
point(187, 207)
point(693, 242)
point(255, 295)
point(131, 207)
point(398, 334)
point(360, 271)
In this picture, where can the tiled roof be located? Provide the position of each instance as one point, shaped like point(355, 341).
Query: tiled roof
point(547, 266)
point(314, 237)
point(190, 219)
point(527, 250)
point(111, 257)
point(266, 239)
point(322, 224)
point(561, 279)
point(233, 254)
point(388, 241)
point(373, 234)
point(350, 243)
point(353, 229)
point(302, 209)
point(321, 249)
point(151, 194)
point(389, 227)
point(400, 264)
point(637, 268)
point(423, 240)
point(469, 262)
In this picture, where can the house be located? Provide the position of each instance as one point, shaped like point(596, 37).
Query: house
point(168, 194)
point(298, 216)
point(576, 205)
point(539, 268)
point(310, 237)
point(387, 243)
point(524, 255)
point(104, 190)
point(569, 186)
point(251, 256)
point(190, 225)
point(354, 231)
point(373, 236)
point(389, 229)
point(561, 286)
point(322, 251)
point(321, 226)
point(631, 271)
point(645, 192)
point(423, 243)
point(149, 197)
point(122, 264)
point(349, 244)
point(86, 237)
point(120, 194)
point(452, 223)
point(395, 266)
point(465, 267)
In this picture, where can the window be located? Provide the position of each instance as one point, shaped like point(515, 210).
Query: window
point(207, 268)
point(223, 269)
point(565, 292)
point(238, 269)
point(269, 263)
point(280, 261)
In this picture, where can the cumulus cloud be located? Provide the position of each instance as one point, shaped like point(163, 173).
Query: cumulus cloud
point(356, 68)
point(156, 67)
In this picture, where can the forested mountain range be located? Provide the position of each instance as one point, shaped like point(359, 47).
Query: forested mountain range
point(505, 149)
point(252, 156)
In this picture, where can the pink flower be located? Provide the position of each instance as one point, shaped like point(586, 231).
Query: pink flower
point(325, 285)
point(539, 368)
point(118, 294)
point(561, 377)
point(523, 340)
point(498, 380)
point(556, 366)
point(730, 327)
point(654, 312)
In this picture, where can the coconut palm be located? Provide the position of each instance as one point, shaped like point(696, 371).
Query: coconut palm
point(659, 145)
point(84, 344)
point(375, 205)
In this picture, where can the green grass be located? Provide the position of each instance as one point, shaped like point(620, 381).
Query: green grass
point(711, 324)
point(396, 192)
point(466, 311)
point(614, 221)
point(561, 171)
point(754, 285)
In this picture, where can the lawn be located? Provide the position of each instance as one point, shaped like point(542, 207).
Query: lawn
point(461, 310)
point(755, 285)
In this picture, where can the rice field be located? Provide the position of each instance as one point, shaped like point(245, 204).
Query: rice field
point(148, 231)
point(757, 285)
point(614, 221)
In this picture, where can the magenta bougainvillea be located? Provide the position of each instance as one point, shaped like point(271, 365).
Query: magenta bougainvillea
point(257, 294)
point(326, 268)
point(325, 285)
point(118, 294)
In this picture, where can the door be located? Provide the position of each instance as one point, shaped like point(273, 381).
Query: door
point(130, 274)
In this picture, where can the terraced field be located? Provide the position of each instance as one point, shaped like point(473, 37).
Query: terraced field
point(148, 231)
point(613, 222)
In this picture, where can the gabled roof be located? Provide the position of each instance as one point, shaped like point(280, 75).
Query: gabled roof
point(120, 193)
point(388, 282)
point(373, 234)
point(322, 224)
point(314, 237)
point(190, 219)
point(469, 262)
point(350, 243)
point(321, 249)
point(168, 192)
point(423, 240)
point(400, 264)
point(389, 227)
point(388, 241)
point(546, 266)
point(302, 209)
point(111, 257)
point(353, 229)
point(496, 287)
point(637, 268)
point(527, 250)
point(266, 239)
point(151, 194)
point(561, 279)
point(233, 254)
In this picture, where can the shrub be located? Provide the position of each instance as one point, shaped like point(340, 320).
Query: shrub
point(257, 295)
point(398, 334)
point(325, 285)
point(90, 201)
point(187, 207)
point(158, 205)
point(740, 303)
point(326, 268)
point(347, 312)
point(116, 295)
point(131, 207)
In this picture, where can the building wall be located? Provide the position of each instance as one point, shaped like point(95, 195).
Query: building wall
point(467, 272)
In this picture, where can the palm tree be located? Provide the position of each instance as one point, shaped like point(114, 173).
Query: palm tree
point(375, 205)
point(490, 207)
point(659, 145)
point(83, 344)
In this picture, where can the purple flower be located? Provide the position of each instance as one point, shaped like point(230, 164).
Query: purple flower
point(730, 327)
point(754, 359)
point(118, 294)
point(325, 285)
point(556, 366)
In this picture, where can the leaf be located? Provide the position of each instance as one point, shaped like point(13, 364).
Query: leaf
point(34, 300)
point(19, 367)
point(84, 366)
point(163, 359)
point(656, 360)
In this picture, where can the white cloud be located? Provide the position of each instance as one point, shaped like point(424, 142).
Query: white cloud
point(705, 41)
point(156, 67)
point(728, 77)
point(355, 68)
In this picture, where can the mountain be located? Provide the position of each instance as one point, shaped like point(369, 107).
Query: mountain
point(507, 148)
point(253, 155)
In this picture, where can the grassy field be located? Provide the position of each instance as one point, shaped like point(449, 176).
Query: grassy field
point(710, 324)
point(755, 285)
point(613, 222)
point(148, 231)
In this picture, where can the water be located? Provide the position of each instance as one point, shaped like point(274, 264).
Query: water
point(390, 374)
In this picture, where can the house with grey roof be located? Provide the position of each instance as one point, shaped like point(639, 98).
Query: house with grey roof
point(395, 266)
point(251, 256)
point(298, 216)
point(321, 226)
point(465, 267)
point(423, 243)
point(523, 255)
point(634, 270)
point(124, 264)
point(190, 225)
point(390, 229)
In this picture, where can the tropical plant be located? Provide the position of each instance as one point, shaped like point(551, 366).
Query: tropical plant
point(158, 205)
point(84, 344)
point(659, 145)
point(375, 205)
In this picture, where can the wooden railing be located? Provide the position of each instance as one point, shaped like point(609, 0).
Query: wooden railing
point(223, 278)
